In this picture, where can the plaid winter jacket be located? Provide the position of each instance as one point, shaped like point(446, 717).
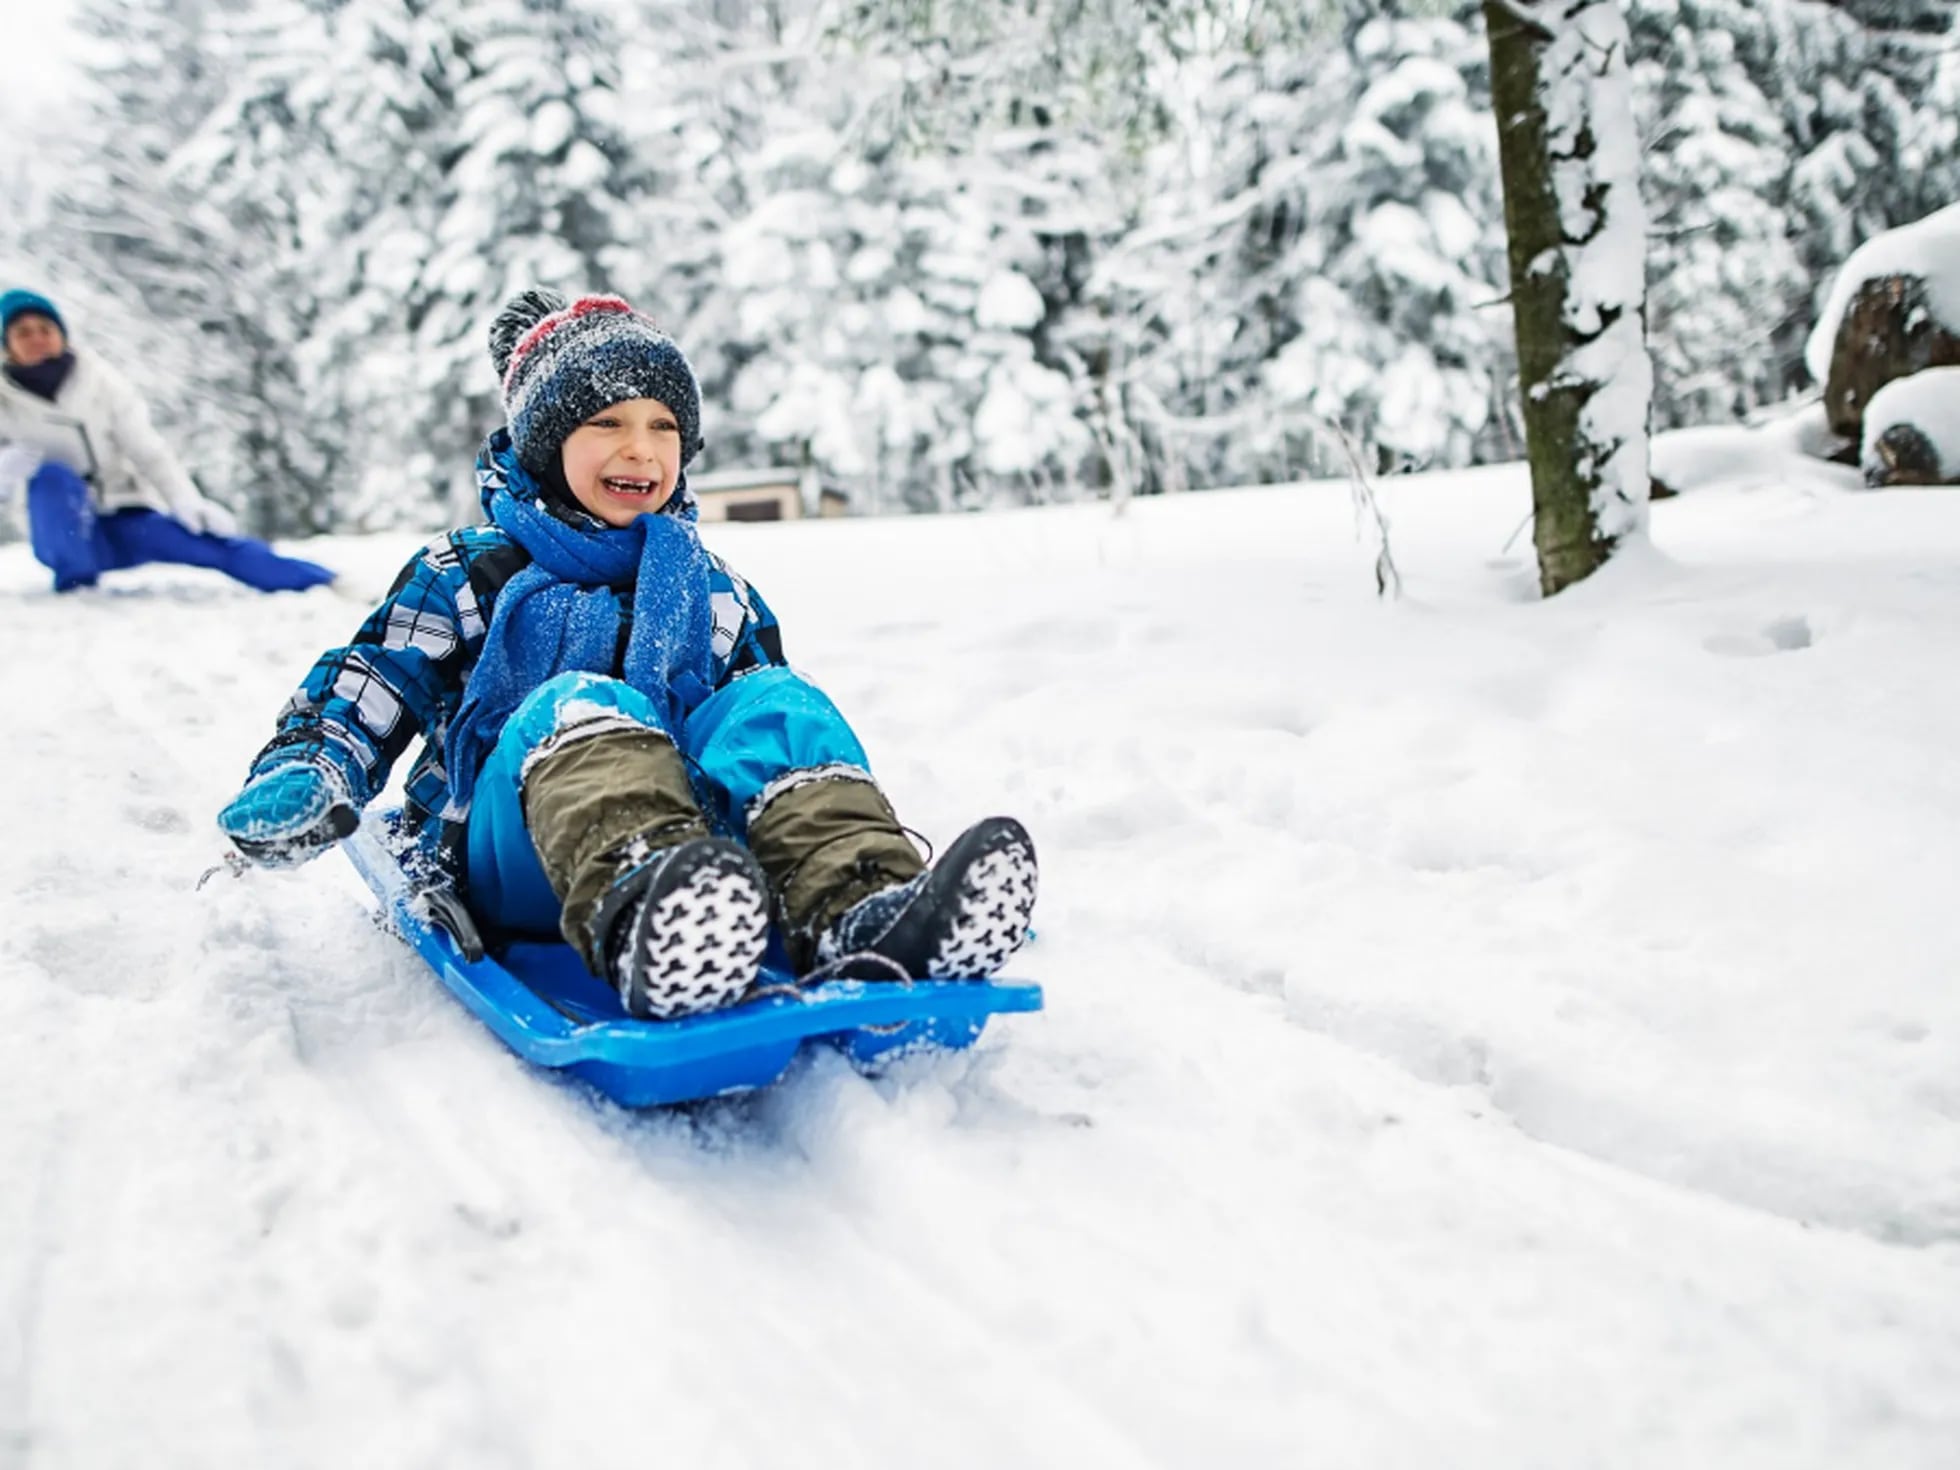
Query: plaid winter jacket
point(403, 675)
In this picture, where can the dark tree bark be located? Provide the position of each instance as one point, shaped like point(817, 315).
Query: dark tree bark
point(1571, 210)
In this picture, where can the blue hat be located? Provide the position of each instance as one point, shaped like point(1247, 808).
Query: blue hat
point(23, 303)
point(563, 363)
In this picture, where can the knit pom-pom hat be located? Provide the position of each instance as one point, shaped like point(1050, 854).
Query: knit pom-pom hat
point(561, 363)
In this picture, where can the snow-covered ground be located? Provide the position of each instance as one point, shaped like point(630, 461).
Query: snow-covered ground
point(1480, 1032)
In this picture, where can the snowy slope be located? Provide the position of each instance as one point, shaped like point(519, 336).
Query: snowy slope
point(1480, 1032)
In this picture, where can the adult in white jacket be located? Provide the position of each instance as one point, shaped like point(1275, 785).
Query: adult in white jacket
point(103, 490)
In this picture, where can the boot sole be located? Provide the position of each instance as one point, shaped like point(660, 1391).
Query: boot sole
point(696, 942)
point(969, 935)
point(996, 899)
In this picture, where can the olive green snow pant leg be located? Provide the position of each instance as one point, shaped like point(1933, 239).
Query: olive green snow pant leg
point(826, 843)
point(595, 806)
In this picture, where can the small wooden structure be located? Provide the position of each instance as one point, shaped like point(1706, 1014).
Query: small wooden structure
point(777, 493)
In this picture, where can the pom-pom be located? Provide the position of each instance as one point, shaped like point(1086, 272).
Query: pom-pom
point(521, 313)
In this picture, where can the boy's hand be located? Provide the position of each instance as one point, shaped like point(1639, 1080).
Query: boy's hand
point(289, 814)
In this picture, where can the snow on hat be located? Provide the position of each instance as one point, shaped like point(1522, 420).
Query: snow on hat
point(562, 363)
point(21, 303)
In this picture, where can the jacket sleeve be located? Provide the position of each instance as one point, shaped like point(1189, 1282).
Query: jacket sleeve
point(402, 677)
point(137, 438)
point(747, 636)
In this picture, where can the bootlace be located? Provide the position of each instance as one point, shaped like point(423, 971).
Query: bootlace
point(863, 870)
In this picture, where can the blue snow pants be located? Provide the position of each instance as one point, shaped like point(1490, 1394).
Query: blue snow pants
point(747, 734)
point(75, 543)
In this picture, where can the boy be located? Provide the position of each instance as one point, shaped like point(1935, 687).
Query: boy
point(599, 697)
point(103, 491)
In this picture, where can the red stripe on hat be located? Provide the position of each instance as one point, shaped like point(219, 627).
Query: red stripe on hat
point(584, 306)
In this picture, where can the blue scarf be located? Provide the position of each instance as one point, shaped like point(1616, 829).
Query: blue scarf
point(562, 613)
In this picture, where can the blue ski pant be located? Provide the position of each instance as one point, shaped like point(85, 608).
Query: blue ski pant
point(78, 544)
point(751, 732)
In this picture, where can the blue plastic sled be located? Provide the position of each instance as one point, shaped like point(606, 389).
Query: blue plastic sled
point(550, 1010)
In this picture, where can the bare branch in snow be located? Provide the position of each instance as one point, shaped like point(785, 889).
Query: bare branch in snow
point(1388, 580)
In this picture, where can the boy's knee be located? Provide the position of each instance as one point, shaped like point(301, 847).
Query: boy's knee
point(567, 704)
point(774, 697)
point(765, 724)
point(575, 683)
point(775, 682)
point(599, 799)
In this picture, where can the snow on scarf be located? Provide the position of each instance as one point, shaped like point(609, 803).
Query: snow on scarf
point(562, 613)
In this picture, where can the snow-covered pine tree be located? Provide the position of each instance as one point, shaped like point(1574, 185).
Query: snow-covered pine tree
point(1390, 284)
point(1877, 141)
point(1150, 314)
point(544, 167)
point(886, 309)
point(1069, 119)
point(882, 287)
point(1316, 253)
point(1577, 236)
point(1778, 134)
point(127, 220)
point(374, 117)
point(253, 182)
point(1727, 289)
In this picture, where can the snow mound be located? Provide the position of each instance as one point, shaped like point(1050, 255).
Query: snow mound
point(1787, 448)
point(1482, 1031)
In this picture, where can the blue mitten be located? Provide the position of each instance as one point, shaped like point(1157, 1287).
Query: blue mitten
point(289, 814)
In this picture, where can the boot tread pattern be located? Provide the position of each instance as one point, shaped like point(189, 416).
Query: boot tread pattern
point(990, 919)
point(697, 946)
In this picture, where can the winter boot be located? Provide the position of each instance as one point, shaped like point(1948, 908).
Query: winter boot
point(855, 899)
point(959, 920)
point(826, 842)
point(672, 918)
point(684, 931)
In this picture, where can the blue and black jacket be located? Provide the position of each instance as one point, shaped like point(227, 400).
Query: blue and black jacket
point(402, 677)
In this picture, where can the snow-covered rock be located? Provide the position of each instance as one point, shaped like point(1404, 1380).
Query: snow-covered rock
point(1912, 431)
point(1927, 248)
point(1893, 310)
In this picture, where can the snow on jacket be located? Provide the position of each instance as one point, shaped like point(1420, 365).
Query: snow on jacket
point(99, 426)
point(403, 676)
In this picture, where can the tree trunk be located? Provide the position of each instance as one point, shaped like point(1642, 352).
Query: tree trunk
point(1570, 162)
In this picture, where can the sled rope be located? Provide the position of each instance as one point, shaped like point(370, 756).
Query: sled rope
point(864, 956)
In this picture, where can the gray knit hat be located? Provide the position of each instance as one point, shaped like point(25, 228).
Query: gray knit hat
point(561, 363)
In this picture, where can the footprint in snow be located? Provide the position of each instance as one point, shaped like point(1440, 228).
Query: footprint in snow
point(1784, 635)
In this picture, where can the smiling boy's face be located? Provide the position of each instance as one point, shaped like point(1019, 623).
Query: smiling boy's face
point(625, 460)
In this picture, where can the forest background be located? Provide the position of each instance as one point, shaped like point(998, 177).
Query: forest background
point(949, 256)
